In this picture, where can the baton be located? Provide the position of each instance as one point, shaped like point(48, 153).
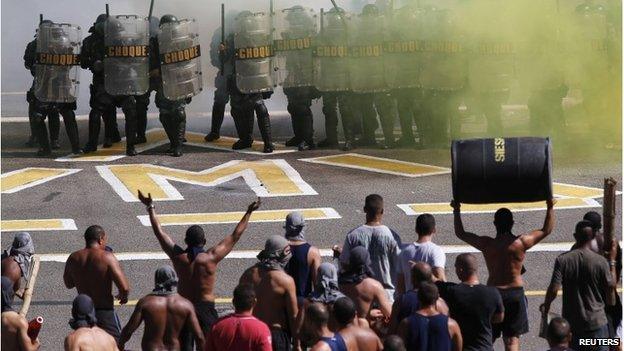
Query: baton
point(151, 9)
point(221, 55)
point(107, 13)
point(40, 18)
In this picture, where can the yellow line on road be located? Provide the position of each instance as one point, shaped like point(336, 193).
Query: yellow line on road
point(379, 165)
point(15, 181)
point(234, 217)
point(37, 225)
point(443, 207)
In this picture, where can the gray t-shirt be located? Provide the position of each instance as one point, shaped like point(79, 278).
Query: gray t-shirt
point(384, 247)
point(428, 252)
point(584, 276)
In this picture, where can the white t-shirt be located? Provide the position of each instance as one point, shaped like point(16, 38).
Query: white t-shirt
point(428, 252)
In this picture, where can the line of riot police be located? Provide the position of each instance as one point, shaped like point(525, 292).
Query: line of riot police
point(418, 63)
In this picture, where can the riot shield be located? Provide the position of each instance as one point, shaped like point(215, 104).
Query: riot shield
point(493, 53)
point(331, 61)
point(179, 55)
point(254, 53)
point(441, 51)
point(57, 62)
point(401, 48)
point(126, 59)
point(295, 28)
point(366, 56)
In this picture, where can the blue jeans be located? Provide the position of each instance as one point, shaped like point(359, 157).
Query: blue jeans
point(602, 332)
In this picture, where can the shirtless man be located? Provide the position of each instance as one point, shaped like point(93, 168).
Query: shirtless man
point(165, 314)
point(355, 282)
point(317, 318)
point(355, 337)
point(86, 334)
point(14, 326)
point(504, 256)
point(16, 261)
point(275, 292)
point(196, 268)
point(92, 271)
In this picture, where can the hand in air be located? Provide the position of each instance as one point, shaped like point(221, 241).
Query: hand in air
point(254, 206)
point(147, 201)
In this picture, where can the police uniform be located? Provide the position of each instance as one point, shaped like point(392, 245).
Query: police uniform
point(221, 94)
point(53, 116)
point(39, 110)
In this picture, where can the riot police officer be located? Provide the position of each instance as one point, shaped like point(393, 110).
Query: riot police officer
point(53, 117)
point(102, 106)
point(54, 88)
point(178, 79)
point(294, 51)
point(252, 80)
point(143, 100)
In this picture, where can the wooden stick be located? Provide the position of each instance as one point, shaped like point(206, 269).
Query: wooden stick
point(608, 212)
point(30, 287)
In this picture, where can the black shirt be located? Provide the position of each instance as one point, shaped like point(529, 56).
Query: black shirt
point(473, 306)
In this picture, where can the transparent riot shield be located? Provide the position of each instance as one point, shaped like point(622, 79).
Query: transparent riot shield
point(254, 52)
point(126, 59)
point(331, 61)
point(401, 48)
point(366, 56)
point(179, 55)
point(295, 29)
point(57, 62)
point(441, 51)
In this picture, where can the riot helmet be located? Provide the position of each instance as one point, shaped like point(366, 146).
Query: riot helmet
point(168, 19)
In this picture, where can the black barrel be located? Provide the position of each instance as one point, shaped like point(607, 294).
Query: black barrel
point(502, 170)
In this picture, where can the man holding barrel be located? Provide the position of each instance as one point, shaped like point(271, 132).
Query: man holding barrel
point(504, 256)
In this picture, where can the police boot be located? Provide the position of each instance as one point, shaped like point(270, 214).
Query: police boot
point(71, 128)
point(331, 140)
point(241, 118)
point(111, 130)
point(31, 141)
point(264, 124)
point(179, 132)
point(307, 131)
point(94, 132)
point(218, 111)
point(54, 125)
point(141, 126)
point(131, 126)
point(42, 138)
point(296, 126)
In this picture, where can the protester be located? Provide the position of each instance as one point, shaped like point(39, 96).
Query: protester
point(275, 292)
point(240, 330)
point(383, 245)
point(474, 306)
point(407, 304)
point(354, 336)
point(326, 292)
point(428, 329)
point(165, 314)
point(504, 256)
point(588, 282)
point(394, 343)
point(16, 260)
point(355, 282)
point(14, 325)
point(197, 268)
point(422, 250)
point(317, 316)
point(87, 335)
point(92, 271)
point(306, 258)
point(559, 335)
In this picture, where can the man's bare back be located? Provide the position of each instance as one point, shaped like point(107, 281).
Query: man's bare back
point(11, 270)
point(275, 291)
point(364, 294)
point(504, 254)
point(14, 333)
point(92, 272)
point(361, 339)
point(164, 317)
point(90, 339)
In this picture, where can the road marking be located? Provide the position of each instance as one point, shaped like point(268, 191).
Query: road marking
point(445, 208)
point(157, 137)
point(225, 143)
point(24, 178)
point(379, 165)
point(234, 217)
point(584, 192)
point(268, 178)
point(37, 225)
point(251, 254)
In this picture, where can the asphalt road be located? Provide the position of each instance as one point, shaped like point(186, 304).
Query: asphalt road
point(88, 199)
